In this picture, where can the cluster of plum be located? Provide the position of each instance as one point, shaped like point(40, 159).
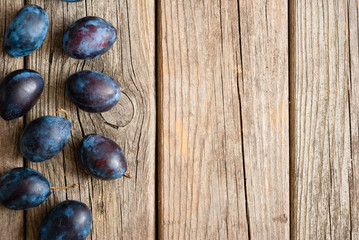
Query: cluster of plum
point(45, 137)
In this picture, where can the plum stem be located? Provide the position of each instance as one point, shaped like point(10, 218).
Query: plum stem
point(73, 186)
point(127, 175)
point(64, 111)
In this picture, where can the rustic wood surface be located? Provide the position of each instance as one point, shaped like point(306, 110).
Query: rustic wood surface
point(239, 119)
point(324, 80)
point(353, 74)
point(265, 114)
point(201, 172)
point(122, 209)
point(223, 106)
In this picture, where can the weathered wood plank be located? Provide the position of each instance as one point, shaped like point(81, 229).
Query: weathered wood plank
point(324, 98)
point(353, 7)
point(202, 194)
point(211, 76)
point(11, 222)
point(122, 209)
point(265, 114)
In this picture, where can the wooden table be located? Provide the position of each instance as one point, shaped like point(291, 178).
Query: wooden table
point(239, 119)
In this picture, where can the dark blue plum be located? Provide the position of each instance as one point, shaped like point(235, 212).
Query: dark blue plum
point(102, 157)
point(93, 91)
point(23, 188)
point(89, 38)
point(70, 220)
point(26, 31)
point(19, 92)
point(44, 138)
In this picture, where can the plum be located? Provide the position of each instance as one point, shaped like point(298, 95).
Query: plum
point(102, 157)
point(44, 138)
point(67, 220)
point(26, 31)
point(19, 92)
point(93, 91)
point(89, 38)
point(25, 188)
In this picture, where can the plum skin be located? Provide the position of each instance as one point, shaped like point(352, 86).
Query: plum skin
point(67, 220)
point(19, 92)
point(89, 38)
point(44, 138)
point(102, 158)
point(23, 189)
point(93, 91)
point(27, 31)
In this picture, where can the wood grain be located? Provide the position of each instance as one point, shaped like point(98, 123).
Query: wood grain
point(225, 127)
point(125, 208)
point(11, 222)
point(325, 131)
point(353, 45)
point(265, 114)
point(223, 69)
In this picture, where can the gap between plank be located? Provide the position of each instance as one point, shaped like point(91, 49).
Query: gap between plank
point(159, 116)
point(291, 86)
